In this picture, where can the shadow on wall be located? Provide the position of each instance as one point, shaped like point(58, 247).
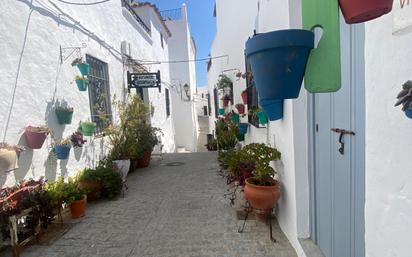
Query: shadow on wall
point(51, 119)
point(78, 153)
point(25, 160)
point(50, 168)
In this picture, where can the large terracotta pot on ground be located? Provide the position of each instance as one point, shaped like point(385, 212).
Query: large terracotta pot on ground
point(145, 160)
point(262, 198)
point(78, 208)
point(356, 11)
point(93, 188)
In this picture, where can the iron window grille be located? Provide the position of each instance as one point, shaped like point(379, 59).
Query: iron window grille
point(99, 94)
point(252, 96)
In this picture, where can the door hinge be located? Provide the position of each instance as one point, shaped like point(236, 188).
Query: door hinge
point(317, 127)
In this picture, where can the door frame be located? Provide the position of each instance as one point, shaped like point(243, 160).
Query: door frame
point(356, 33)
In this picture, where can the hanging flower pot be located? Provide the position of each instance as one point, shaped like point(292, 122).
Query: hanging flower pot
point(356, 11)
point(84, 68)
point(64, 115)
point(81, 83)
point(35, 136)
point(263, 119)
point(273, 109)
point(221, 111)
point(240, 108)
point(243, 128)
point(278, 61)
point(408, 113)
point(235, 118)
point(88, 128)
point(244, 97)
point(62, 151)
point(240, 137)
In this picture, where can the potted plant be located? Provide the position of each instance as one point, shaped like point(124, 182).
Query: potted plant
point(35, 136)
point(243, 128)
point(405, 98)
point(111, 179)
point(239, 166)
point(244, 96)
point(259, 114)
point(122, 145)
point(226, 100)
point(61, 148)
point(87, 128)
point(56, 194)
point(9, 156)
point(278, 61)
point(261, 190)
point(64, 114)
point(90, 182)
point(75, 197)
point(361, 11)
point(234, 117)
point(81, 83)
point(240, 108)
point(77, 139)
point(225, 135)
point(147, 138)
point(83, 67)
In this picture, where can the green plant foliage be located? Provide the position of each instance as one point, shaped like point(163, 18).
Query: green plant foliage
point(112, 181)
point(72, 192)
point(262, 156)
point(56, 192)
point(226, 133)
point(224, 83)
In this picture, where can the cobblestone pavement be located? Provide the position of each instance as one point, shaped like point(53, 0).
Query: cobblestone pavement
point(169, 210)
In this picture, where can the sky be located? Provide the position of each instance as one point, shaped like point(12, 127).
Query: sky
point(202, 25)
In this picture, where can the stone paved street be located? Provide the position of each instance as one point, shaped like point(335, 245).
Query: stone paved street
point(168, 211)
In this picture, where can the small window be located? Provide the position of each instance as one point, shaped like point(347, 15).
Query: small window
point(99, 93)
point(161, 40)
point(167, 97)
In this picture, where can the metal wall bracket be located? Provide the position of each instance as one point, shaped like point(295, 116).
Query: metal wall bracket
point(66, 52)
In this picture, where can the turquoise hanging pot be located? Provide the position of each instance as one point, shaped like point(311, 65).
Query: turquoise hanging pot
point(235, 118)
point(82, 84)
point(84, 68)
point(240, 137)
point(221, 111)
point(64, 116)
point(243, 128)
point(263, 119)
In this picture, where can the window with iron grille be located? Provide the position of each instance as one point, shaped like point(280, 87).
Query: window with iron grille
point(167, 102)
point(252, 96)
point(99, 93)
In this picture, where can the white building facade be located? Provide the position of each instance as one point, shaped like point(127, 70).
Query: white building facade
point(373, 175)
point(202, 100)
point(114, 37)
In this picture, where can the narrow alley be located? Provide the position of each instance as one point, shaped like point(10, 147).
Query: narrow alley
point(174, 208)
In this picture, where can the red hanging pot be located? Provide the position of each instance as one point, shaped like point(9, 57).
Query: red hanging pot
point(240, 108)
point(357, 11)
point(35, 137)
point(244, 97)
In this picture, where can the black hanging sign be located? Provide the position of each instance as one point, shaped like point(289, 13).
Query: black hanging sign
point(144, 80)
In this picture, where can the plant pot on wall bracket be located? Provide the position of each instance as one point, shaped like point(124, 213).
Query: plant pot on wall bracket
point(408, 113)
point(243, 128)
point(82, 84)
point(88, 128)
point(84, 68)
point(62, 151)
point(221, 111)
point(356, 11)
point(263, 119)
point(273, 109)
point(278, 61)
point(64, 116)
point(244, 97)
point(35, 137)
point(240, 137)
point(235, 118)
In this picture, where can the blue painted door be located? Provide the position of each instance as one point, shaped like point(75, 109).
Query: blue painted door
point(337, 186)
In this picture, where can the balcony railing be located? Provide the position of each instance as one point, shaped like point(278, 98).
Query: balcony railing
point(172, 14)
point(126, 4)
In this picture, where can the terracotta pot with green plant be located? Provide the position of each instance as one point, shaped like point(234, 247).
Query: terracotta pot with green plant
point(226, 133)
point(75, 197)
point(147, 138)
point(262, 191)
point(56, 193)
point(90, 182)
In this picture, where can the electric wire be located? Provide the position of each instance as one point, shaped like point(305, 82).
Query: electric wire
point(182, 61)
point(91, 3)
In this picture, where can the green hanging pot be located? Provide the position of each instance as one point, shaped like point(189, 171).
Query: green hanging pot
point(84, 68)
point(88, 128)
point(222, 111)
point(263, 119)
point(64, 116)
point(82, 84)
point(235, 118)
point(240, 137)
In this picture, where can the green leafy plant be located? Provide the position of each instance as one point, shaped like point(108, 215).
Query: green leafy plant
point(405, 96)
point(226, 134)
point(88, 174)
point(112, 181)
point(262, 155)
point(224, 83)
point(77, 61)
point(81, 78)
point(72, 192)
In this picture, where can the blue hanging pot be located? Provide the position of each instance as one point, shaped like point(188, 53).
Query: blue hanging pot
point(408, 113)
point(273, 109)
point(278, 61)
point(62, 151)
point(243, 128)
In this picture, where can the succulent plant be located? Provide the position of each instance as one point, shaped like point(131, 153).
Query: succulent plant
point(405, 96)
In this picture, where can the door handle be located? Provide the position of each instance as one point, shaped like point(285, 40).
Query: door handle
point(342, 132)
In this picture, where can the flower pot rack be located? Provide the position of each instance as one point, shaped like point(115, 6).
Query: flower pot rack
point(66, 52)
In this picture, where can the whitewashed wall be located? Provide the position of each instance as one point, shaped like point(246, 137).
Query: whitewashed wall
point(184, 116)
point(388, 65)
point(31, 33)
point(201, 100)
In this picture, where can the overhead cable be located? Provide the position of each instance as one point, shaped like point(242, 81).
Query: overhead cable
point(91, 3)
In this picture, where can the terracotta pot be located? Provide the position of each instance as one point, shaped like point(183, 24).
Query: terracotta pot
point(93, 188)
point(262, 198)
point(244, 97)
point(145, 160)
point(78, 208)
point(356, 11)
